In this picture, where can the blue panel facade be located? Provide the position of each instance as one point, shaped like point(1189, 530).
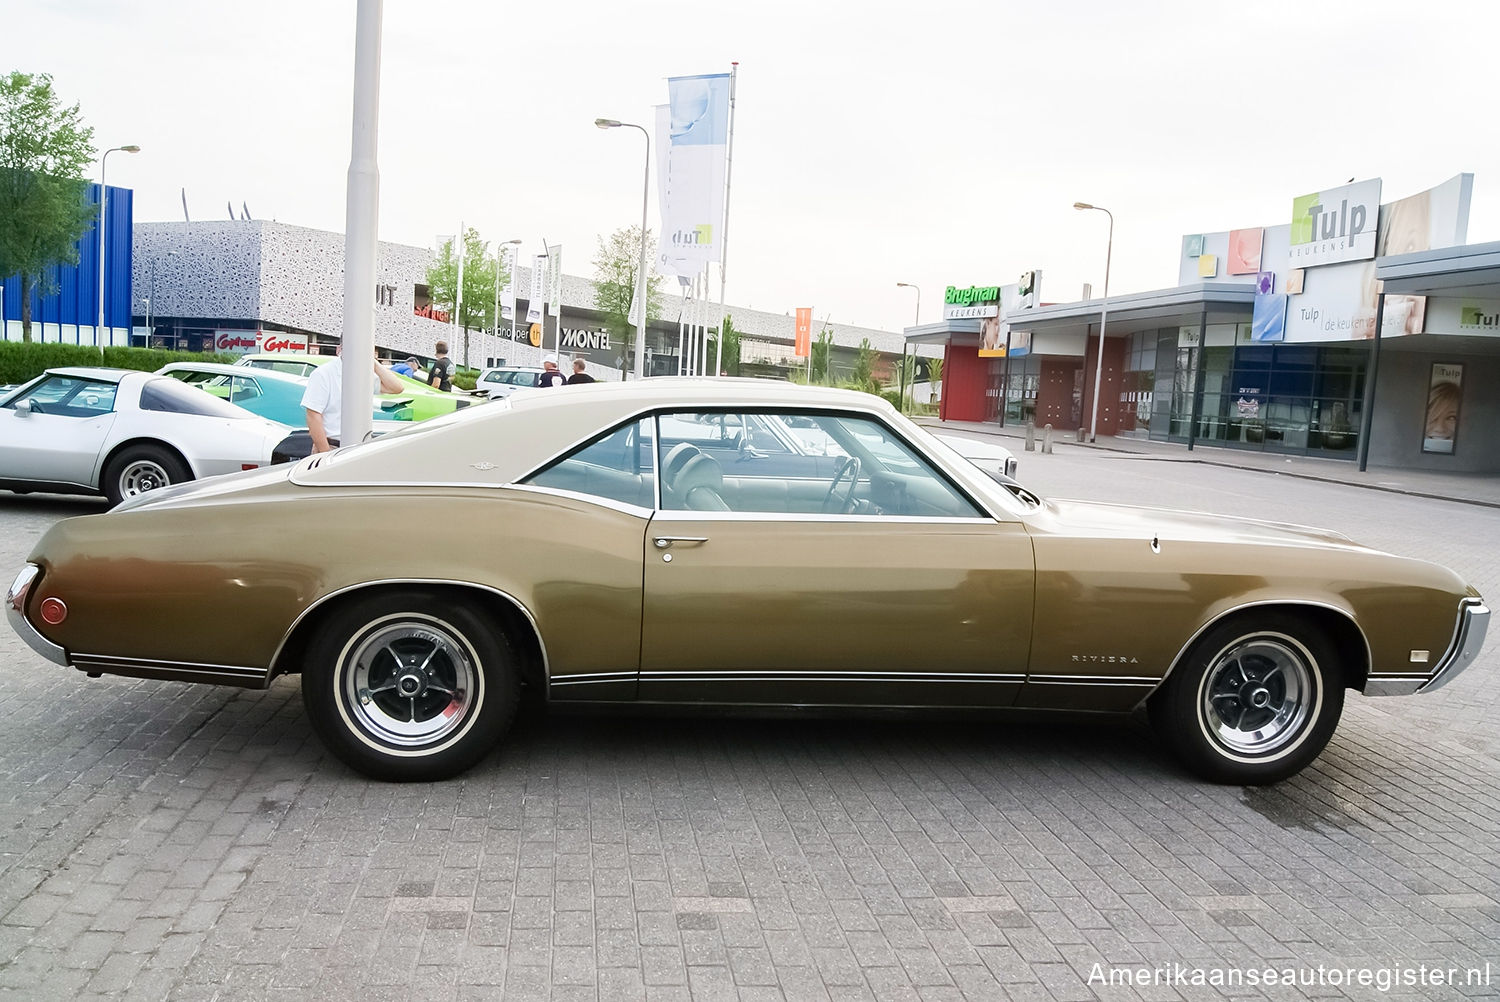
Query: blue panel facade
point(76, 300)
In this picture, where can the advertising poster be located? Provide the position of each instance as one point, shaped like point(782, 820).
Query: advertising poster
point(1269, 320)
point(997, 339)
point(804, 331)
point(1444, 394)
point(508, 290)
point(1244, 251)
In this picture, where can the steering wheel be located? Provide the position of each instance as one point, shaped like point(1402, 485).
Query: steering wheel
point(842, 504)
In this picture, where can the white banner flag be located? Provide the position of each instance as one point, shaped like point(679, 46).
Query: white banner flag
point(554, 278)
point(692, 136)
point(634, 319)
point(538, 289)
point(508, 290)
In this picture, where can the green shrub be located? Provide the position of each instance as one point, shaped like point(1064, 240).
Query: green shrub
point(465, 380)
point(20, 361)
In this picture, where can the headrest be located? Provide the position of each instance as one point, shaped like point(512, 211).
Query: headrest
point(679, 454)
point(700, 471)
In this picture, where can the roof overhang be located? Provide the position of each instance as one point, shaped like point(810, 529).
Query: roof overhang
point(1471, 270)
point(1226, 302)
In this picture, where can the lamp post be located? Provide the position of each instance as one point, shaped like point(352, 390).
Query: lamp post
point(640, 327)
point(103, 215)
point(1103, 314)
point(916, 322)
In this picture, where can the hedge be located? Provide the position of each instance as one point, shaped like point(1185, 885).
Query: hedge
point(21, 360)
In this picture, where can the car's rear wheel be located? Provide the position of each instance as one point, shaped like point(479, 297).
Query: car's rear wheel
point(141, 468)
point(406, 687)
point(1255, 700)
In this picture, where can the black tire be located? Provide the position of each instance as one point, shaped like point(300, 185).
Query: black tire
point(440, 664)
point(141, 468)
point(1254, 701)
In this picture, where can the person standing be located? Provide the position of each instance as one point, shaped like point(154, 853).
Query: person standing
point(441, 373)
point(579, 376)
point(323, 399)
point(550, 374)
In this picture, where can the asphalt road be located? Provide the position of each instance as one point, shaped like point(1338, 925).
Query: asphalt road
point(160, 841)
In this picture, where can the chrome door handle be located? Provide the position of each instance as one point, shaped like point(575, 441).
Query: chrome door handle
point(662, 542)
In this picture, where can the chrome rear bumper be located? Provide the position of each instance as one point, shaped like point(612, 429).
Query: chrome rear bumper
point(15, 611)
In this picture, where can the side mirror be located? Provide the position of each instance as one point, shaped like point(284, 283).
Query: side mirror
point(23, 408)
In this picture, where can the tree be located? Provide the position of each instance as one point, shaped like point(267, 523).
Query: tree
point(44, 207)
point(731, 364)
point(479, 284)
point(616, 264)
point(864, 368)
point(821, 355)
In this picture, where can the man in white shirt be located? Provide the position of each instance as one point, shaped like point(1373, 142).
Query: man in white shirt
point(322, 400)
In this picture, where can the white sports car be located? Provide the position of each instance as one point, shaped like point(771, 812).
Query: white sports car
point(120, 433)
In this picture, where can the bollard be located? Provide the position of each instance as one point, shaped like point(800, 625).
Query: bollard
point(1047, 440)
point(1030, 435)
point(1083, 434)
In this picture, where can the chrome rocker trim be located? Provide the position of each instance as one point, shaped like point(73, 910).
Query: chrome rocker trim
point(172, 671)
point(15, 611)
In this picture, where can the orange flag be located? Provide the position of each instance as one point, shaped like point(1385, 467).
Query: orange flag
point(804, 331)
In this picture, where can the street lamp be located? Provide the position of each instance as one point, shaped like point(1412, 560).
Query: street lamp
point(499, 262)
point(150, 298)
point(1103, 314)
point(640, 327)
point(916, 321)
point(103, 215)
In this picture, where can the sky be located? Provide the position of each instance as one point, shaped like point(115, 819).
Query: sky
point(936, 144)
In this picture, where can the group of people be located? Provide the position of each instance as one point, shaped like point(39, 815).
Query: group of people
point(552, 375)
point(322, 400)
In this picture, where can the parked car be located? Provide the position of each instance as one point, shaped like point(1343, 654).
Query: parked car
point(426, 402)
point(569, 551)
point(503, 380)
point(271, 394)
point(121, 433)
point(986, 454)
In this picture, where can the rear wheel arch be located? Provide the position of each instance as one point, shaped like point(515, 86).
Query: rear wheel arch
point(513, 620)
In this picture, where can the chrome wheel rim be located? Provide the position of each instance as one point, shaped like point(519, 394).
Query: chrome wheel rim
point(411, 684)
point(1256, 696)
point(141, 476)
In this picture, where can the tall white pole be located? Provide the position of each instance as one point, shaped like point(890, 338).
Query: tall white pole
point(362, 211)
point(734, 74)
point(1103, 317)
point(103, 246)
point(494, 351)
point(640, 330)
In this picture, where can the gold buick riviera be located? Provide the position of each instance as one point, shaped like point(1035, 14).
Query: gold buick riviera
point(727, 544)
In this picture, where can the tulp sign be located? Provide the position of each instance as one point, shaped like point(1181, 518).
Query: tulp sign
point(1339, 224)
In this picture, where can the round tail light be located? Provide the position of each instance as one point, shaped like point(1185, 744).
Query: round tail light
point(54, 610)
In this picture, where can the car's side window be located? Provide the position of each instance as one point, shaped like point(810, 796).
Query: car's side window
point(618, 465)
point(243, 388)
point(70, 396)
point(799, 464)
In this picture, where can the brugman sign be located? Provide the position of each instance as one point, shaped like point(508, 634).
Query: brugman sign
point(975, 301)
point(1339, 224)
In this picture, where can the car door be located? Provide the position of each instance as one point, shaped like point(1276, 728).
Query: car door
point(899, 591)
point(56, 438)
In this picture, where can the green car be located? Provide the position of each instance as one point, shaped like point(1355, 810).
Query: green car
point(426, 402)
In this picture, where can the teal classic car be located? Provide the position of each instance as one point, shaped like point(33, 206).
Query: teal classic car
point(425, 401)
point(266, 392)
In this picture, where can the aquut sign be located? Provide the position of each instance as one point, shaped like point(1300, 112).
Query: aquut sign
point(1339, 224)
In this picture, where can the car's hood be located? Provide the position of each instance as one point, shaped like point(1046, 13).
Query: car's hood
point(1090, 518)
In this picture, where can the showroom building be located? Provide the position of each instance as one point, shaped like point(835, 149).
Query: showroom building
point(236, 285)
point(1361, 330)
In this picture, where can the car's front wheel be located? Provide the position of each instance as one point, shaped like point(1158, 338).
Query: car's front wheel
point(141, 468)
point(1255, 700)
point(406, 687)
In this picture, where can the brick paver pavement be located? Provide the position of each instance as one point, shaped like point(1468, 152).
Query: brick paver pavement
point(160, 841)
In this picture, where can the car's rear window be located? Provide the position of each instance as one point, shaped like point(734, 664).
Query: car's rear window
point(164, 394)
